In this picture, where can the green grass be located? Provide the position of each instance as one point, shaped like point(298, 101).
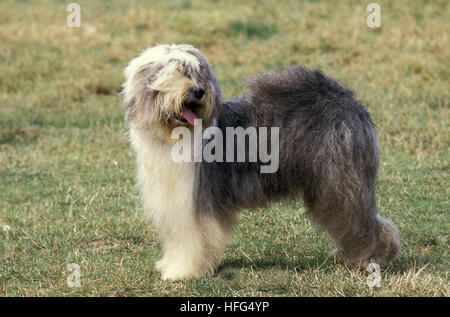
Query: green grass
point(251, 29)
point(67, 171)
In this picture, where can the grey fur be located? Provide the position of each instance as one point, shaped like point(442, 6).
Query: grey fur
point(329, 156)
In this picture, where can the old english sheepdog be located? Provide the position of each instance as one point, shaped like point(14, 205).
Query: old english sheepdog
point(326, 148)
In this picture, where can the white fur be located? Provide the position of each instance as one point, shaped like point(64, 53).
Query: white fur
point(167, 192)
point(192, 245)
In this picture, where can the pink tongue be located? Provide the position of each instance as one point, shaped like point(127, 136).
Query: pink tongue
point(189, 115)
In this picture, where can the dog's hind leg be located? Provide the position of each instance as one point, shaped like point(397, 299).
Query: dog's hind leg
point(360, 236)
point(217, 233)
point(341, 199)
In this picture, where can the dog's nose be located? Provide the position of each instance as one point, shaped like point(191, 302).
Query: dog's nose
point(198, 92)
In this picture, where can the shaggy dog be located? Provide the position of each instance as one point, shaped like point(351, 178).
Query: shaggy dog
point(327, 149)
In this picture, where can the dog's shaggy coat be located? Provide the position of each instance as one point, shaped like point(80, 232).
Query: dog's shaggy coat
point(328, 155)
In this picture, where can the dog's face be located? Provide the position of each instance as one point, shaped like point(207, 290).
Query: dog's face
point(169, 86)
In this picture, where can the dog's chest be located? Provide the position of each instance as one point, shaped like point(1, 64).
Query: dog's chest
point(166, 184)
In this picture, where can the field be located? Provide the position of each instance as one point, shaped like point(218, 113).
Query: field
point(67, 171)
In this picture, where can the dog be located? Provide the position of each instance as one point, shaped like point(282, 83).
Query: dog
point(327, 148)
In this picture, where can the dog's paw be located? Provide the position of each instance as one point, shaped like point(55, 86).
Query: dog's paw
point(171, 276)
point(339, 256)
point(176, 275)
point(173, 271)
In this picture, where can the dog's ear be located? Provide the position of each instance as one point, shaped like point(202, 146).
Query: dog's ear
point(216, 97)
point(136, 90)
point(131, 110)
point(133, 90)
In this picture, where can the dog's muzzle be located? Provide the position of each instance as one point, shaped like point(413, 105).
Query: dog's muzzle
point(189, 108)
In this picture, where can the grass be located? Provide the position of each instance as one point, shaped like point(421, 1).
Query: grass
point(66, 168)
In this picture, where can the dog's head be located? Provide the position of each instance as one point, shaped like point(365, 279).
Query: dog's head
point(169, 86)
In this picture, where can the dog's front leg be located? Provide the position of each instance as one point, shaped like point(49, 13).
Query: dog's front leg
point(182, 245)
point(192, 246)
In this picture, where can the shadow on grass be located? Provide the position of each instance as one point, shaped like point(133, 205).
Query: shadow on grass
point(322, 261)
point(401, 265)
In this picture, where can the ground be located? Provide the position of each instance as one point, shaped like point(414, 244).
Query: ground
point(67, 172)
